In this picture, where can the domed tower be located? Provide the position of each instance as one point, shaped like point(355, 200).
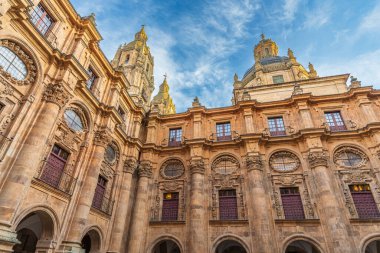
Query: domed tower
point(136, 62)
point(162, 102)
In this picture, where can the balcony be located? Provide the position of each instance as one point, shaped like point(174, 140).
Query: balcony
point(226, 136)
point(173, 142)
point(234, 214)
point(278, 133)
point(105, 205)
point(64, 182)
point(347, 126)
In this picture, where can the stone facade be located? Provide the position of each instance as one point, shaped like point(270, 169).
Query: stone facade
point(88, 163)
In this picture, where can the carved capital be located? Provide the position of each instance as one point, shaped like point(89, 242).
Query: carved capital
point(102, 138)
point(55, 93)
point(197, 166)
point(319, 158)
point(130, 165)
point(145, 169)
point(254, 162)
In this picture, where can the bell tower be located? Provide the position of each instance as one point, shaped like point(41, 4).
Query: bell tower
point(136, 62)
point(265, 49)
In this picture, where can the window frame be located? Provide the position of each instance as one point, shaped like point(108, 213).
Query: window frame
point(358, 206)
point(279, 130)
point(228, 213)
point(165, 207)
point(223, 131)
point(56, 152)
point(331, 118)
point(40, 19)
point(276, 77)
point(13, 68)
point(176, 139)
point(288, 207)
point(93, 77)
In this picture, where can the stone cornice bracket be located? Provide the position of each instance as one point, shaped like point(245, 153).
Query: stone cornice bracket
point(254, 162)
point(145, 169)
point(102, 138)
point(130, 165)
point(318, 158)
point(56, 93)
point(197, 165)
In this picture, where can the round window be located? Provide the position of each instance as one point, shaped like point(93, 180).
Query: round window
point(73, 120)
point(12, 64)
point(284, 161)
point(110, 154)
point(172, 169)
point(225, 165)
point(350, 157)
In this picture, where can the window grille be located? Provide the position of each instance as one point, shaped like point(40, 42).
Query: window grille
point(170, 205)
point(276, 126)
point(223, 131)
point(41, 19)
point(228, 205)
point(175, 137)
point(99, 193)
point(364, 201)
point(335, 121)
point(292, 203)
point(55, 166)
point(12, 64)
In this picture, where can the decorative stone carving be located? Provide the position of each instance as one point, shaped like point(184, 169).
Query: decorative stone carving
point(284, 161)
point(145, 169)
point(358, 158)
point(277, 205)
point(102, 138)
point(107, 171)
point(130, 165)
point(25, 58)
point(56, 93)
point(307, 204)
point(319, 158)
point(6, 89)
point(225, 165)
point(197, 166)
point(172, 169)
point(254, 163)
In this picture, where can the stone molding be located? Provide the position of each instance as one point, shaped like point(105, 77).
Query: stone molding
point(254, 162)
point(130, 165)
point(56, 93)
point(102, 138)
point(145, 169)
point(340, 151)
point(197, 165)
point(318, 158)
point(287, 154)
point(172, 162)
point(8, 237)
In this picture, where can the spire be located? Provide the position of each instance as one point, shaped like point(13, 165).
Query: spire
point(141, 35)
point(163, 100)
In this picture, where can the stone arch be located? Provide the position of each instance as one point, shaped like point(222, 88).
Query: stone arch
point(285, 150)
point(166, 238)
point(92, 240)
point(293, 151)
point(225, 242)
point(370, 244)
point(357, 148)
point(30, 52)
point(303, 243)
point(217, 156)
point(37, 229)
point(84, 112)
point(168, 161)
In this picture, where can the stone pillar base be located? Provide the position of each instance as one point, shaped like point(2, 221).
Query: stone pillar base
point(71, 247)
point(7, 240)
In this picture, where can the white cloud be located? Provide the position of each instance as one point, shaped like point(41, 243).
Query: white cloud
point(365, 67)
point(319, 16)
point(290, 8)
point(371, 21)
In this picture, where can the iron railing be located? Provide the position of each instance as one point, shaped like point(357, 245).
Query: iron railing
point(226, 136)
point(348, 125)
point(106, 205)
point(66, 182)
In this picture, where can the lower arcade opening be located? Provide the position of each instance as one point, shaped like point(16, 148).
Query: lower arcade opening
point(230, 246)
point(167, 246)
point(301, 247)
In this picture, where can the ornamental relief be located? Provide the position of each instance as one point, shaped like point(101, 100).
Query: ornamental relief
point(350, 158)
point(297, 180)
point(31, 70)
point(68, 138)
point(168, 187)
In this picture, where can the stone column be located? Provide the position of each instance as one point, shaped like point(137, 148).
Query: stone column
point(198, 229)
point(101, 140)
point(117, 242)
point(261, 220)
point(20, 176)
point(140, 210)
point(332, 215)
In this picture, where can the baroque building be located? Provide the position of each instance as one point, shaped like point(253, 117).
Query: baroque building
point(90, 163)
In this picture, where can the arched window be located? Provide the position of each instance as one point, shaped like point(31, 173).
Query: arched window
point(11, 63)
point(284, 161)
point(349, 157)
point(172, 169)
point(225, 165)
point(73, 120)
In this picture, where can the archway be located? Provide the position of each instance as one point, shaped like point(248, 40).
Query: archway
point(301, 246)
point(91, 242)
point(166, 246)
point(230, 246)
point(35, 231)
point(373, 247)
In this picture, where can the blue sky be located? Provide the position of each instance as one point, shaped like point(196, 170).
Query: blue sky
point(200, 44)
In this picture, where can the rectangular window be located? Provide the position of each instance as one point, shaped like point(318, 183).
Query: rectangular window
point(292, 203)
point(41, 19)
point(121, 112)
point(223, 131)
point(175, 137)
point(278, 79)
point(100, 190)
point(364, 201)
point(335, 121)
point(170, 205)
point(55, 166)
point(91, 78)
point(228, 205)
point(276, 126)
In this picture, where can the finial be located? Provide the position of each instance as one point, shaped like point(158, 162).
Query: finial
point(312, 72)
point(262, 36)
point(290, 54)
point(196, 102)
point(236, 78)
point(166, 75)
point(311, 67)
point(355, 83)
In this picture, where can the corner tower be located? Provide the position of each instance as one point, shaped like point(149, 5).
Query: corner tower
point(136, 62)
